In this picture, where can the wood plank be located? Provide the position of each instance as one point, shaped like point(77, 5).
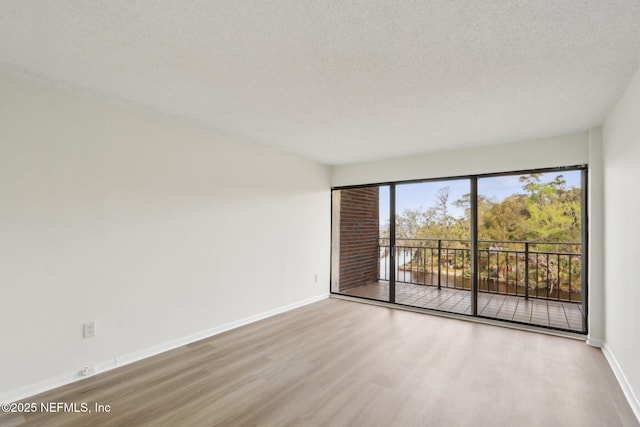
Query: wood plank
point(343, 363)
point(538, 312)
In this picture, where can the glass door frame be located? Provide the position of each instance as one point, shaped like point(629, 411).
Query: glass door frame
point(473, 181)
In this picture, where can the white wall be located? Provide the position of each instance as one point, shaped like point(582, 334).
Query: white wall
point(155, 229)
point(566, 150)
point(621, 140)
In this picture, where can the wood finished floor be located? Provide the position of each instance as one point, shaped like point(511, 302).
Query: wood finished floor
point(539, 312)
point(342, 363)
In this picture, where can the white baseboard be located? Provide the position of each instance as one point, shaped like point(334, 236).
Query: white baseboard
point(595, 342)
point(622, 379)
point(20, 393)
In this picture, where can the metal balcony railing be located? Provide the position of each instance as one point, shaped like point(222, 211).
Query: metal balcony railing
point(546, 270)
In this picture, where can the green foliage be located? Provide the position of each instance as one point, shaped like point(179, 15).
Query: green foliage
point(543, 212)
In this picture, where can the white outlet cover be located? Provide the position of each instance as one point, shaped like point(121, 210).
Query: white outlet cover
point(89, 329)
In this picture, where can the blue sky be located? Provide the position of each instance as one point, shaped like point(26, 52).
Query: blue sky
point(415, 195)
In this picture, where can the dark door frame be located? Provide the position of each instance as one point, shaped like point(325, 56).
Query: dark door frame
point(473, 179)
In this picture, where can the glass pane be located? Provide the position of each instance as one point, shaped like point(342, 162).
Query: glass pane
point(433, 262)
point(529, 250)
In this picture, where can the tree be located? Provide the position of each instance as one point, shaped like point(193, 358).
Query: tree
point(554, 210)
point(505, 220)
point(543, 212)
point(410, 221)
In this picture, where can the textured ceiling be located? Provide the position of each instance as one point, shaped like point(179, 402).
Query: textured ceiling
point(338, 81)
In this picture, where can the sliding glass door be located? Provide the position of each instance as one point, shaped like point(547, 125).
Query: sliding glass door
point(530, 251)
point(510, 247)
point(432, 245)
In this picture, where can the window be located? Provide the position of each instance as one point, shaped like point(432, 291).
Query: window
point(507, 246)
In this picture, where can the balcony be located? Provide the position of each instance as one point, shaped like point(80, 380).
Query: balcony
point(537, 283)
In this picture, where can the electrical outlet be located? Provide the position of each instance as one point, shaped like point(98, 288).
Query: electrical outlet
point(89, 330)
